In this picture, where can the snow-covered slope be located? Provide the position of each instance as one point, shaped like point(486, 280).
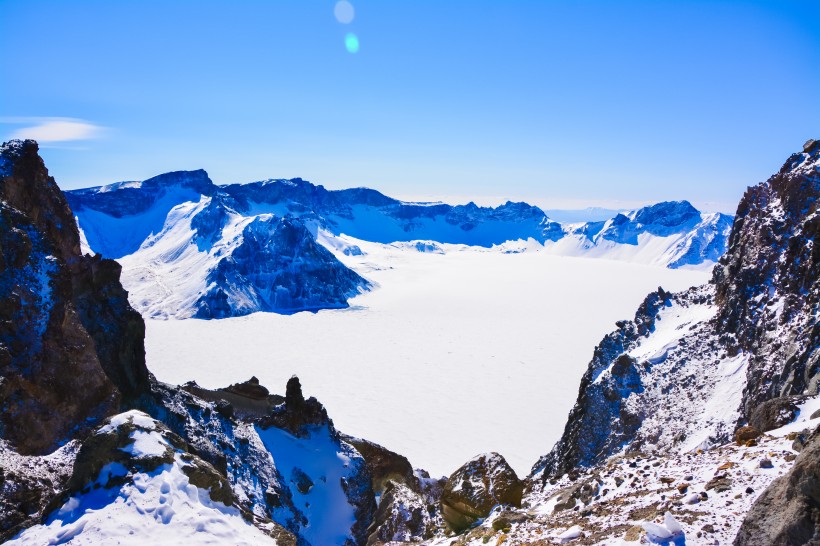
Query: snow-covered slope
point(186, 252)
point(190, 248)
point(146, 491)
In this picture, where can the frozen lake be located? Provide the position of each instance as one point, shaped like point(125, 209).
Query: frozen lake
point(452, 355)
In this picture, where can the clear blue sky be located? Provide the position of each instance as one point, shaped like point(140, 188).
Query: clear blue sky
point(560, 103)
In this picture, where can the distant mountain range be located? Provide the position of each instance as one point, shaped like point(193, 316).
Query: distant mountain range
point(191, 248)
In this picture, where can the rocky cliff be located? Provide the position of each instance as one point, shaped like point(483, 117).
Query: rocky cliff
point(71, 347)
point(714, 355)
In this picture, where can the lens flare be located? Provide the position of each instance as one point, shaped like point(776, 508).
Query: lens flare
point(344, 12)
point(351, 43)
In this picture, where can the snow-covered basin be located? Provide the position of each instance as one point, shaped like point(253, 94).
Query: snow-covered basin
point(453, 355)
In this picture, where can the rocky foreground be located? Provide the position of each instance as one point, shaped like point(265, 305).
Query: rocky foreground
point(695, 423)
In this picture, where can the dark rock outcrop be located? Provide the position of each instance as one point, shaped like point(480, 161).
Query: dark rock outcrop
point(788, 511)
point(297, 413)
point(475, 488)
point(768, 283)
point(775, 413)
point(385, 466)
point(600, 423)
point(71, 347)
point(277, 267)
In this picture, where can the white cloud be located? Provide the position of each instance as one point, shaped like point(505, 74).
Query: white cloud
point(55, 129)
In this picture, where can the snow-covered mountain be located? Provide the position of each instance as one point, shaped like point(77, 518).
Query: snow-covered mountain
point(190, 248)
point(670, 234)
point(94, 450)
point(187, 252)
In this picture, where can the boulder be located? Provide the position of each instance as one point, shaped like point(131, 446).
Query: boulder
point(775, 413)
point(473, 490)
point(746, 433)
point(403, 514)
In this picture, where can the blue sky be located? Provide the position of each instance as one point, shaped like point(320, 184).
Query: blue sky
point(563, 104)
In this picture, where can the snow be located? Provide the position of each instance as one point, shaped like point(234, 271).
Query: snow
point(160, 507)
point(666, 532)
point(570, 534)
point(446, 340)
point(723, 406)
point(649, 249)
point(117, 237)
point(136, 417)
point(657, 493)
point(330, 516)
point(146, 444)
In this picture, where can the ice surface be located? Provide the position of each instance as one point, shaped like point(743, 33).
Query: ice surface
point(446, 342)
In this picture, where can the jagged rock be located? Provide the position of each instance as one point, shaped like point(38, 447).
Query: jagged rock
point(385, 466)
point(772, 260)
point(600, 422)
point(71, 347)
point(787, 513)
point(296, 413)
point(403, 515)
point(473, 490)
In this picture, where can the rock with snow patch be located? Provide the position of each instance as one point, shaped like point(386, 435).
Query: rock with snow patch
point(775, 413)
point(475, 488)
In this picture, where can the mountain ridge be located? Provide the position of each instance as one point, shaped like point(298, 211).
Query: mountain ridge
point(153, 226)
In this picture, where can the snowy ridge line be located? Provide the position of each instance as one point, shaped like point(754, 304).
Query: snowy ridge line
point(190, 248)
point(670, 234)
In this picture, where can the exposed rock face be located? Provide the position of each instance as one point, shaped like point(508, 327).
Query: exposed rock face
point(775, 413)
point(768, 283)
point(712, 356)
point(71, 347)
point(297, 413)
point(385, 466)
point(788, 511)
point(278, 267)
point(403, 515)
point(473, 490)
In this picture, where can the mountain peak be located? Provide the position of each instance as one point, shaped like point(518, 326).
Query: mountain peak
point(805, 163)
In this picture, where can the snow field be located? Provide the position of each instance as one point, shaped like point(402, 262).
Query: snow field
point(452, 355)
